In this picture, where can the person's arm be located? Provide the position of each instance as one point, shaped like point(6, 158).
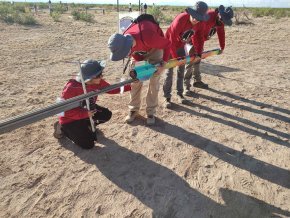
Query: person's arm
point(221, 35)
point(104, 84)
point(173, 33)
point(198, 37)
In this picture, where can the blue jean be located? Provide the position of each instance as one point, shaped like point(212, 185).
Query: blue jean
point(167, 86)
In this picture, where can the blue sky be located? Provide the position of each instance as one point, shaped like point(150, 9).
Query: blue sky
point(234, 3)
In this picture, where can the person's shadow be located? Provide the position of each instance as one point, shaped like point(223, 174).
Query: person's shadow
point(236, 158)
point(216, 70)
point(162, 190)
point(244, 107)
point(233, 121)
point(253, 102)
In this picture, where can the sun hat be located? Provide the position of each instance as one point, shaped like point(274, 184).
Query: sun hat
point(198, 11)
point(90, 69)
point(226, 14)
point(120, 46)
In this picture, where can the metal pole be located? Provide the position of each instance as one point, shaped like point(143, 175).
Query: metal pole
point(36, 115)
point(40, 114)
point(139, 6)
point(87, 100)
point(117, 5)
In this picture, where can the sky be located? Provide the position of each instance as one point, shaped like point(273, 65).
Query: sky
point(234, 3)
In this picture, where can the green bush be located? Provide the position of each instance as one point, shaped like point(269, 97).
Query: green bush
point(156, 13)
point(270, 12)
point(55, 16)
point(168, 20)
point(25, 19)
point(82, 16)
point(12, 14)
point(59, 8)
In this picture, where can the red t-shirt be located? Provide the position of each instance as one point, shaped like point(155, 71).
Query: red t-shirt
point(147, 36)
point(73, 89)
point(219, 29)
point(178, 27)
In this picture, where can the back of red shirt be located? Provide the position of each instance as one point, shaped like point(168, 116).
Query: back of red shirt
point(147, 36)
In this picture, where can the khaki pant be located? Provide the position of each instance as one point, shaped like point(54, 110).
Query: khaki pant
point(152, 93)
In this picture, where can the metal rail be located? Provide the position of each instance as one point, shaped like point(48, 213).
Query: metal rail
point(36, 115)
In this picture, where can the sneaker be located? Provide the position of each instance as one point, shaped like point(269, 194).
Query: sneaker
point(200, 85)
point(167, 103)
point(182, 99)
point(150, 120)
point(57, 131)
point(131, 116)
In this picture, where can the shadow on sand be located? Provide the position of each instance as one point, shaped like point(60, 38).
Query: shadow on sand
point(162, 190)
point(253, 102)
point(213, 69)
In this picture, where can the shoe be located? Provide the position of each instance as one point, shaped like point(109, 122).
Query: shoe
point(187, 92)
point(131, 117)
point(200, 85)
point(150, 120)
point(57, 131)
point(167, 103)
point(182, 99)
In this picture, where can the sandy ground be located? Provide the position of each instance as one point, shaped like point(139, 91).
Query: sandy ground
point(225, 154)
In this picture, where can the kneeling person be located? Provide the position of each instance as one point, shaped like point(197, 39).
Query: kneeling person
point(75, 124)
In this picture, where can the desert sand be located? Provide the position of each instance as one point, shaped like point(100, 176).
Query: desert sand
point(224, 154)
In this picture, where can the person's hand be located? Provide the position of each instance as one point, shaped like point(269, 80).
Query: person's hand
point(197, 58)
point(161, 67)
point(92, 113)
point(221, 51)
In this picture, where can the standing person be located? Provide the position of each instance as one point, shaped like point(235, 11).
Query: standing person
point(49, 6)
point(130, 7)
point(75, 123)
point(143, 41)
point(187, 26)
point(145, 8)
point(141, 8)
point(218, 18)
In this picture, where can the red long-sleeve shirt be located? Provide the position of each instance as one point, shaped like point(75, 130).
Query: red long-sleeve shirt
point(178, 27)
point(147, 36)
point(73, 89)
point(219, 29)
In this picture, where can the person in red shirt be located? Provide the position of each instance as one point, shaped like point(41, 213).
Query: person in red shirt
point(75, 123)
point(185, 27)
point(143, 41)
point(218, 18)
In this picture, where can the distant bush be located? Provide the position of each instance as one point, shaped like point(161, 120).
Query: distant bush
point(270, 12)
point(55, 16)
point(16, 14)
point(82, 16)
point(59, 8)
point(167, 19)
point(156, 13)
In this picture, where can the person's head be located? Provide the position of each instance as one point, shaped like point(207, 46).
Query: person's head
point(92, 71)
point(226, 15)
point(120, 46)
point(198, 12)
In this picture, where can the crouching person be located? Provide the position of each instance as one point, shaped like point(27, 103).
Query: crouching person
point(75, 124)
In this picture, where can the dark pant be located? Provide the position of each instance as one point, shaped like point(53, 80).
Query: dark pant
point(80, 131)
